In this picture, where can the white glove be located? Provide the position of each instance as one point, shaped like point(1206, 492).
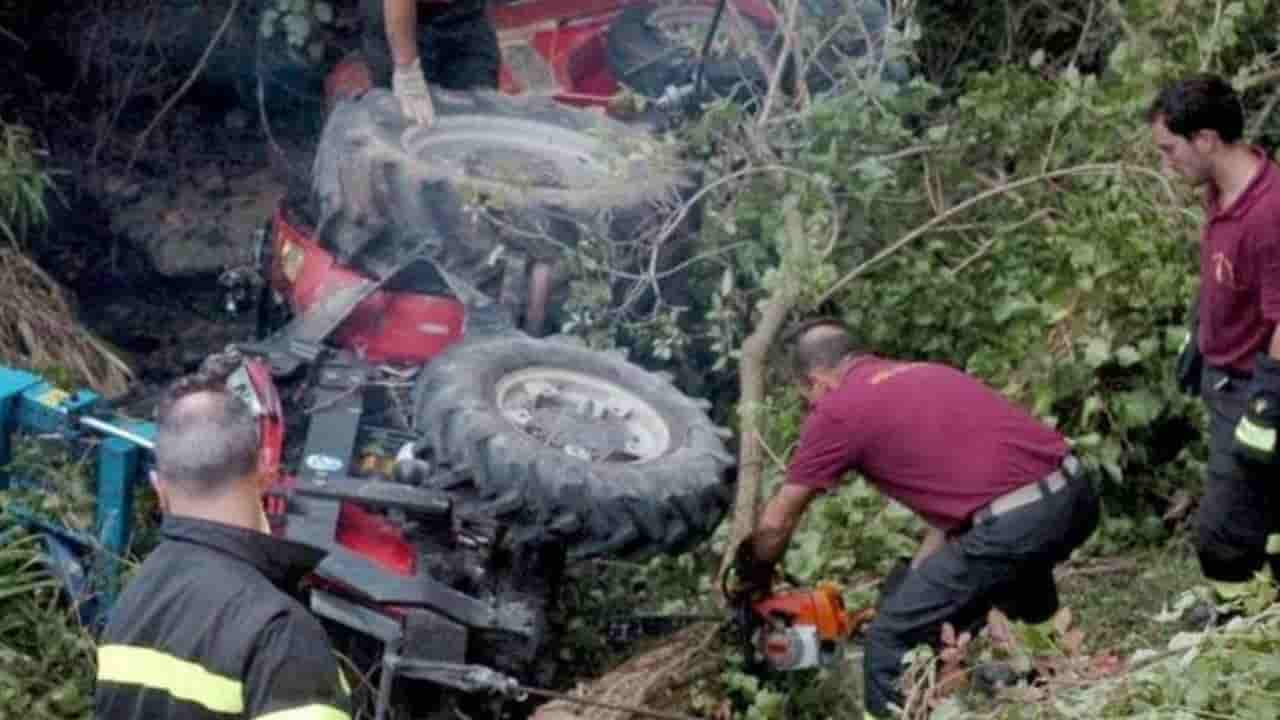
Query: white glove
point(410, 88)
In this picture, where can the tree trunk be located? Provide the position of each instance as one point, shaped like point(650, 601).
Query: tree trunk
point(751, 375)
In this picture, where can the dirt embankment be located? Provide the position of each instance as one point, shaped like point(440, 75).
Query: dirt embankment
point(156, 199)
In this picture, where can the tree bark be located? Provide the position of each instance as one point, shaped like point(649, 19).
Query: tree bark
point(751, 375)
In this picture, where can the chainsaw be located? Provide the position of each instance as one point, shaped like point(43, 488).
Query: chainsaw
point(795, 629)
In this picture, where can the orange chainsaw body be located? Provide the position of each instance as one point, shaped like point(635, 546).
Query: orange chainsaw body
point(803, 628)
point(821, 607)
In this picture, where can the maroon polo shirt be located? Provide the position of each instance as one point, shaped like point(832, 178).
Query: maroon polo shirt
point(1240, 272)
point(933, 438)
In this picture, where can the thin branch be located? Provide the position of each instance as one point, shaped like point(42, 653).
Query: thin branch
point(773, 454)
point(139, 62)
point(995, 237)
point(862, 269)
point(1255, 126)
point(674, 222)
point(1262, 78)
point(1084, 32)
point(788, 40)
point(191, 80)
point(17, 40)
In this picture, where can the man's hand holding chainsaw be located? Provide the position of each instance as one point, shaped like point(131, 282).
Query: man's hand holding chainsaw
point(1003, 497)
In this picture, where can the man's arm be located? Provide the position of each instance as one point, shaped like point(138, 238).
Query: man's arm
point(778, 521)
point(402, 29)
point(1257, 430)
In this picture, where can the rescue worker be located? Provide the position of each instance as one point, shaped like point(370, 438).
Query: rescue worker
point(207, 629)
point(1197, 124)
point(1003, 497)
point(451, 43)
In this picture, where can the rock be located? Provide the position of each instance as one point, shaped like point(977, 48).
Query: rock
point(194, 231)
point(237, 120)
point(211, 180)
point(121, 192)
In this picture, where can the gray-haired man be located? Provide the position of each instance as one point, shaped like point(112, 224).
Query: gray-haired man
point(208, 628)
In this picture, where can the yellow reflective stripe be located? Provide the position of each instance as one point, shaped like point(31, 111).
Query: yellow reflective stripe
point(184, 680)
point(307, 712)
point(1255, 436)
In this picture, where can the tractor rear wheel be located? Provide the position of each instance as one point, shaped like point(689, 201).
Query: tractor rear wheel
point(598, 454)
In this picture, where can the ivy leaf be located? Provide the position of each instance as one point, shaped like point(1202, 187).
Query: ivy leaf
point(1138, 407)
point(1092, 406)
point(1097, 352)
point(1128, 356)
point(1011, 307)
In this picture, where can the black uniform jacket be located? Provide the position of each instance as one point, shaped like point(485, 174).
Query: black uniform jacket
point(208, 629)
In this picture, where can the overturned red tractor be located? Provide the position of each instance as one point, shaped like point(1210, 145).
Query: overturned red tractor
point(450, 462)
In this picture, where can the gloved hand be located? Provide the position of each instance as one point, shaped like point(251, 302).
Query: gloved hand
point(755, 576)
point(1190, 362)
point(1255, 436)
point(410, 88)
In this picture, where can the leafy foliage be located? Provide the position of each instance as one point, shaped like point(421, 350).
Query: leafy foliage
point(24, 182)
point(1002, 212)
point(46, 658)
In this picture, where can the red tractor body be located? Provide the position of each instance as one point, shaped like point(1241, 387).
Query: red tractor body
point(394, 327)
point(558, 47)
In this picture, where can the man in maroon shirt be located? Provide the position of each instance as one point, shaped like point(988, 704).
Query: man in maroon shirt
point(1197, 123)
point(1003, 497)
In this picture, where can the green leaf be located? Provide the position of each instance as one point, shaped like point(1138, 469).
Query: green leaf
point(1138, 407)
point(1011, 307)
point(1128, 356)
point(1092, 405)
point(1097, 352)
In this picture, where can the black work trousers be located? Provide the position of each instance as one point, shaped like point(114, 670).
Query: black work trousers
point(457, 44)
point(1241, 502)
point(1005, 561)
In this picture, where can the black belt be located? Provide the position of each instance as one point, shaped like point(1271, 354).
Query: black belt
point(1228, 376)
point(1068, 469)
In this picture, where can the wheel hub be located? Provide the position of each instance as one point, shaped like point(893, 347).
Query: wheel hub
point(584, 416)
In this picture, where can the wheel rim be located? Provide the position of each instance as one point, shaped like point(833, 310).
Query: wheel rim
point(582, 415)
point(518, 154)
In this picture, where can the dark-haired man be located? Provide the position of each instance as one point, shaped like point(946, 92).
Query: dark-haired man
point(450, 43)
point(1003, 498)
point(208, 629)
point(1197, 124)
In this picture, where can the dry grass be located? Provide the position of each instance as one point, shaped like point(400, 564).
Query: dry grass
point(38, 328)
point(640, 681)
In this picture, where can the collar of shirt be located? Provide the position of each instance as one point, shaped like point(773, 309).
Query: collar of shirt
point(1248, 196)
point(283, 562)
